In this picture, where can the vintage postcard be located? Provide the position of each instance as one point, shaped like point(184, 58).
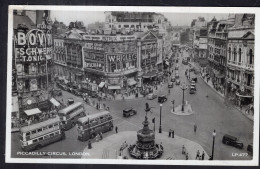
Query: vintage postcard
point(127, 85)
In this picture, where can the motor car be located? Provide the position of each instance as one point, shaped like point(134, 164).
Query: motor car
point(77, 92)
point(170, 85)
point(173, 79)
point(192, 83)
point(177, 76)
point(70, 101)
point(232, 141)
point(151, 96)
point(178, 82)
point(129, 112)
point(177, 67)
point(162, 98)
point(57, 92)
point(250, 149)
point(192, 90)
point(194, 79)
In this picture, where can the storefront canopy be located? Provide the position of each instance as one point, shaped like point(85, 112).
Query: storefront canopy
point(131, 82)
point(101, 84)
point(244, 94)
point(32, 111)
point(54, 102)
point(150, 74)
point(114, 87)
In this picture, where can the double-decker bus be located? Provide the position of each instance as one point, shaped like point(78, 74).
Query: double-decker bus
point(69, 115)
point(89, 126)
point(38, 135)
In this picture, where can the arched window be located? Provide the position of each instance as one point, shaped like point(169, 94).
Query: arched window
point(251, 56)
point(239, 55)
point(229, 53)
point(235, 54)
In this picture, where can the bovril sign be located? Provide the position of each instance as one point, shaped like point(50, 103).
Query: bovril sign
point(121, 57)
point(108, 38)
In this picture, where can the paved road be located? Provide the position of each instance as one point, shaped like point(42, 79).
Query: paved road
point(210, 113)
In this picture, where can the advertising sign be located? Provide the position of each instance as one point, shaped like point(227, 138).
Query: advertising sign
point(121, 57)
point(108, 38)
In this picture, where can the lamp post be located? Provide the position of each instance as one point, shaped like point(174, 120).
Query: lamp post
point(183, 88)
point(214, 135)
point(160, 128)
point(173, 101)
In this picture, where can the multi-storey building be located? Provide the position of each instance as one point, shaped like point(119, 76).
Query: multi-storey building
point(32, 42)
point(134, 21)
point(217, 44)
point(240, 59)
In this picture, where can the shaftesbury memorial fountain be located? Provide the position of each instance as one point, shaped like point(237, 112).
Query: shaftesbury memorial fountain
point(145, 147)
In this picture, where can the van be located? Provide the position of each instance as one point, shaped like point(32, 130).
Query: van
point(232, 141)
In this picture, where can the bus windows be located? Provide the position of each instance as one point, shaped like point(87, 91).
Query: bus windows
point(35, 140)
point(39, 130)
point(34, 131)
point(28, 134)
point(52, 134)
point(50, 126)
point(41, 138)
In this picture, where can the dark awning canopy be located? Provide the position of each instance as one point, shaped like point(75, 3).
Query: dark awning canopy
point(150, 74)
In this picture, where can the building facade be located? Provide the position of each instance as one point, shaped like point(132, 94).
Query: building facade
point(240, 59)
point(32, 41)
point(217, 44)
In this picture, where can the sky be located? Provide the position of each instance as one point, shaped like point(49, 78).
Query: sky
point(180, 19)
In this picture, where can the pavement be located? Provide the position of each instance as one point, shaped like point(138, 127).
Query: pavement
point(108, 148)
point(178, 110)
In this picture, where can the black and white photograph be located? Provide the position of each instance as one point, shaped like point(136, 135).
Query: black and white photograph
point(126, 85)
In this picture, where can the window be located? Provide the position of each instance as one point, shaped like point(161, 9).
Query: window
point(50, 126)
point(39, 130)
point(41, 138)
point(34, 131)
point(251, 56)
point(119, 26)
point(239, 55)
point(35, 140)
point(229, 53)
point(52, 134)
point(235, 54)
point(27, 134)
point(56, 124)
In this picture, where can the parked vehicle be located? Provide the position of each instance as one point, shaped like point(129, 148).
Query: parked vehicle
point(250, 149)
point(232, 141)
point(129, 112)
point(173, 79)
point(57, 92)
point(192, 90)
point(170, 85)
point(151, 96)
point(70, 101)
point(194, 79)
point(178, 82)
point(162, 98)
point(177, 76)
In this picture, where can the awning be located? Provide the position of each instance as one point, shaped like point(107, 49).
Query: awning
point(131, 82)
point(114, 87)
point(150, 74)
point(54, 102)
point(32, 111)
point(101, 84)
point(243, 94)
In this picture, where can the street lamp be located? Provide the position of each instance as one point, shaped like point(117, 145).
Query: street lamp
point(173, 101)
point(214, 135)
point(160, 128)
point(183, 88)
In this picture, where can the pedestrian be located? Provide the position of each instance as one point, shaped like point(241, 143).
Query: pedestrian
point(195, 128)
point(97, 106)
point(116, 129)
point(89, 144)
point(183, 150)
point(203, 155)
point(170, 131)
point(187, 156)
point(198, 154)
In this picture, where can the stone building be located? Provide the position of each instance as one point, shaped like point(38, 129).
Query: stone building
point(240, 59)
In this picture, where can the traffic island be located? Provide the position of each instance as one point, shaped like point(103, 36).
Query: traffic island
point(187, 110)
point(111, 147)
